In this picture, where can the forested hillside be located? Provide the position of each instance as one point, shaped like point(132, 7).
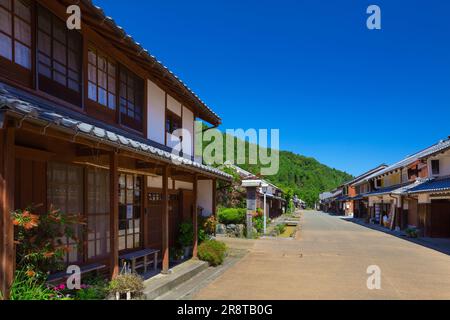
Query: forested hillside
point(301, 175)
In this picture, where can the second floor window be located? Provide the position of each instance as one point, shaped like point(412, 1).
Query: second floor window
point(16, 40)
point(102, 79)
point(173, 122)
point(59, 57)
point(435, 168)
point(131, 99)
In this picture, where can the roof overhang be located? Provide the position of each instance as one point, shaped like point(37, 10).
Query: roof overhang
point(23, 111)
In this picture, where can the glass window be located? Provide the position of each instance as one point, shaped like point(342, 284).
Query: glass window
point(59, 57)
point(130, 212)
point(102, 79)
point(131, 99)
point(65, 192)
point(15, 32)
point(173, 122)
point(98, 213)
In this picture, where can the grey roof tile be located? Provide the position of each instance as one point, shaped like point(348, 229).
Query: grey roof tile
point(10, 102)
point(436, 185)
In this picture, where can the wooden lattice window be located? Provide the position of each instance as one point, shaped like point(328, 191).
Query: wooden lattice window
point(131, 99)
point(102, 79)
point(173, 122)
point(98, 205)
point(130, 191)
point(16, 39)
point(65, 192)
point(59, 58)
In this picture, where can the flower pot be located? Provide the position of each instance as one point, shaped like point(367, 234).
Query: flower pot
point(123, 295)
point(187, 251)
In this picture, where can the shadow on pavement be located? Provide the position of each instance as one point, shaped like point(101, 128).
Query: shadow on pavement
point(438, 244)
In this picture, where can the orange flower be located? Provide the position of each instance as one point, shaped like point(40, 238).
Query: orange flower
point(16, 222)
point(49, 254)
point(30, 273)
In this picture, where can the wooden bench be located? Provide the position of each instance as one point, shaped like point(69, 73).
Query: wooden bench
point(84, 270)
point(140, 259)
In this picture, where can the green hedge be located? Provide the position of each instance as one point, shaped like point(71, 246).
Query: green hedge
point(232, 215)
point(212, 251)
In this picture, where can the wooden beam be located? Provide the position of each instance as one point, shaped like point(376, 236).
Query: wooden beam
point(195, 218)
point(165, 221)
point(114, 212)
point(214, 200)
point(7, 258)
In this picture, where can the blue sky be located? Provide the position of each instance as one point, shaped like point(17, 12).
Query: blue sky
point(350, 97)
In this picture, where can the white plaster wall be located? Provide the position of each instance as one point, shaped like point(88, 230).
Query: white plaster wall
point(173, 105)
point(188, 125)
point(183, 185)
point(205, 196)
point(156, 114)
point(154, 182)
point(444, 164)
point(157, 182)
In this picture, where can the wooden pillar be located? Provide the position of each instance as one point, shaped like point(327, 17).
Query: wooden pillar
point(214, 201)
point(165, 221)
point(195, 218)
point(114, 211)
point(7, 170)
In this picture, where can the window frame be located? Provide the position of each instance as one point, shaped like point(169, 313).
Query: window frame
point(50, 85)
point(88, 214)
point(172, 117)
point(94, 108)
point(50, 185)
point(133, 219)
point(434, 168)
point(10, 69)
point(139, 100)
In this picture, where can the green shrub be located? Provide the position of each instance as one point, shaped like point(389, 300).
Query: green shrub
point(281, 228)
point(232, 215)
point(186, 234)
point(212, 251)
point(26, 287)
point(258, 223)
point(95, 288)
point(124, 283)
point(412, 232)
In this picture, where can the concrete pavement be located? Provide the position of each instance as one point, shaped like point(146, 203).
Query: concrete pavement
point(329, 260)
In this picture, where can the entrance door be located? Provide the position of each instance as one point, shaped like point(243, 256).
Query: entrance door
point(440, 219)
point(153, 212)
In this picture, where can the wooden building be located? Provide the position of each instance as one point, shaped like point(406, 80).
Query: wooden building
point(87, 121)
point(406, 194)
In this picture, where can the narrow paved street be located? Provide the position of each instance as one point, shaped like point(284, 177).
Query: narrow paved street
point(329, 260)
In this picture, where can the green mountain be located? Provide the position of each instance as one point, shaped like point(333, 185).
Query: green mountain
point(304, 176)
point(300, 175)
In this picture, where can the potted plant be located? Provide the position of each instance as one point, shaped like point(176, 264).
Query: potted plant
point(176, 254)
point(186, 238)
point(126, 287)
point(411, 232)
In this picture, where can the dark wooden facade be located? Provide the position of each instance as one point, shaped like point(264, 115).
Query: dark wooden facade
point(106, 184)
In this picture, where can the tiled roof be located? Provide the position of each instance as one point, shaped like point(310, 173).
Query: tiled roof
point(437, 185)
point(383, 191)
point(366, 174)
point(142, 52)
point(12, 103)
point(438, 147)
point(399, 189)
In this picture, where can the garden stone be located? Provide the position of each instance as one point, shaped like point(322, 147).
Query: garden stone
point(221, 228)
point(240, 229)
point(231, 230)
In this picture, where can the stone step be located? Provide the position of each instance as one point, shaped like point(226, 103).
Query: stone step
point(161, 284)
